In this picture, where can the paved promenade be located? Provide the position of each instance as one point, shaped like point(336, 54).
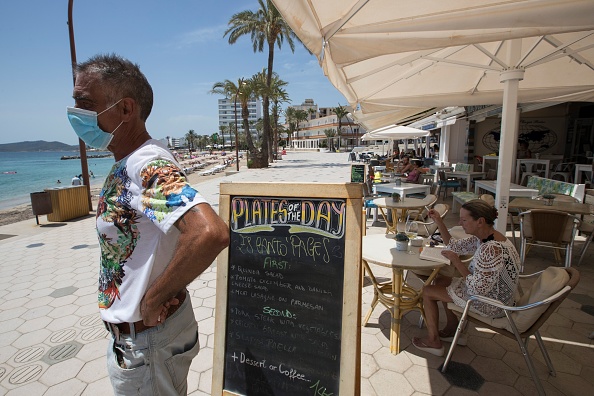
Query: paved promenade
point(52, 341)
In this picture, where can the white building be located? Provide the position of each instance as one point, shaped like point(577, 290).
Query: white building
point(176, 143)
point(309, 107)
point(227, 117)
point(312, 133)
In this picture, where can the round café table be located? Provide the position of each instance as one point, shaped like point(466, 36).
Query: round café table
point(403, 206)
point(397, 296)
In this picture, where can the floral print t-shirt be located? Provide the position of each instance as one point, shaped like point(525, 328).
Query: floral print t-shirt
point(142, 198)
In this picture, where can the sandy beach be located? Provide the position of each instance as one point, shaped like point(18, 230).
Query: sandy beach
point(25, 212)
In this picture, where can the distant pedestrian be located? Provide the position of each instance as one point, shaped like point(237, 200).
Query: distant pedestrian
point(91, 174)
point(59, 182)
point(76, 181)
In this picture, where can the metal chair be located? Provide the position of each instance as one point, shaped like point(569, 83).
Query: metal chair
point(445, 183)
point(525, 319)
point(563, 170)
point(428, 228)
point(585, 228)
point(548, 228)
point(368, 197)
point(531, 170)
point(421, 214)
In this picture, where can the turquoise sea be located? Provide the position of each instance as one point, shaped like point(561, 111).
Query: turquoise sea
point(36, 171)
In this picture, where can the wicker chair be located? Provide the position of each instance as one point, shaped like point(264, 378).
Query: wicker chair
point(548, 228)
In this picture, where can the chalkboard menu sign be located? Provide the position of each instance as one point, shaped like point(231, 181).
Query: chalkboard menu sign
point(358, 173)
point(280, 325)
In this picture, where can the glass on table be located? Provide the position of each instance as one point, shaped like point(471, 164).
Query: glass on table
point(412, 229)
point(400, 225)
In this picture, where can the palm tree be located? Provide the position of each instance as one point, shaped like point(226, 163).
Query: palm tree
point(191, 138)
point(277, 94)
point(259, 125)
point(263, 26)
point(330, 133)
point(202, 141)
point(290, 121)
point(351, 128)
point(240, 93)
point(340, 112)
point(214, 138)
point(300, 116)
point(223, 129)
point(281, 133)
point(247, 91)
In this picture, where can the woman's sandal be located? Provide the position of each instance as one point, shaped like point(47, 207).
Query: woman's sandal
point(425, 348)
point(448, 337)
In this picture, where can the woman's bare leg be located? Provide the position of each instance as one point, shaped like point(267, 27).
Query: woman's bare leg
point(431, 295)
point(451, 318)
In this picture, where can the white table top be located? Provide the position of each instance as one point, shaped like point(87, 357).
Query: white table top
point(563, 206)
point(406, 203)
point(462, 173)
point(403, 187)
point(381, 250)
point(515, 190)
point(534, 161)
point(439, 167)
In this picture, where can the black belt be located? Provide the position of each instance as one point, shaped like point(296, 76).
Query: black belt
point(139, 326)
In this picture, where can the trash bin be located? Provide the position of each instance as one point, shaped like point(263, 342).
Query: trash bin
point(68, 202)
point(41, 203)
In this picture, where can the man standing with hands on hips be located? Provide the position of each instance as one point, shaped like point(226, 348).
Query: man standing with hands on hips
point(156, 233)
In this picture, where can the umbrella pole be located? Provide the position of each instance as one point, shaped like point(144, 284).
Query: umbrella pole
point(509, 129)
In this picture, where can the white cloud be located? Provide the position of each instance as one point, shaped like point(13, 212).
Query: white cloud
point(200, 36)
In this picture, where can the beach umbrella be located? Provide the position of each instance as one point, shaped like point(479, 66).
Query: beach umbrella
point(392, 58)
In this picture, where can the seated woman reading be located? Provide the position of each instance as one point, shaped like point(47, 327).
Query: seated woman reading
point(493, 272)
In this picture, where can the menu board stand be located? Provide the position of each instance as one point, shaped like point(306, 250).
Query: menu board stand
point(288, 304)
point(358, 173)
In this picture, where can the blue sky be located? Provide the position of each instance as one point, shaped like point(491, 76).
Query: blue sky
point(178, 44)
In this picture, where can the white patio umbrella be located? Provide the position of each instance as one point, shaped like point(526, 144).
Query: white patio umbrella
point(380, 119)
point(397, 132)
point(391, 56)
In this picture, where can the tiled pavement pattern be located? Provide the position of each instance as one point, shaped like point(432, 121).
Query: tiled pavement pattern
point(52, 341)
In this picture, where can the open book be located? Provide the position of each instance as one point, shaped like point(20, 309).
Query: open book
point(433, 254)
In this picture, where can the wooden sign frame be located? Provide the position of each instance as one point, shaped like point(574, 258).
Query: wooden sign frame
point(350, 339)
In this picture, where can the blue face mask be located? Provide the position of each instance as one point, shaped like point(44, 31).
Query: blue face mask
point(84, 123)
